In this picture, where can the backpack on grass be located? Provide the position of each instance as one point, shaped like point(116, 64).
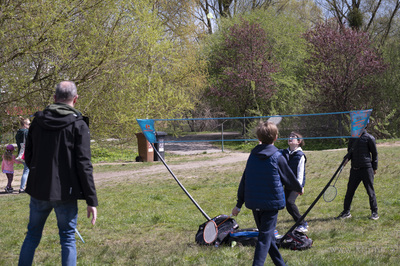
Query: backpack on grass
point(225, 225)
point(295, 240)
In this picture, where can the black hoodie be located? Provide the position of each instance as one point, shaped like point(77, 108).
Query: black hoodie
point(58, 156)
point(364, 152)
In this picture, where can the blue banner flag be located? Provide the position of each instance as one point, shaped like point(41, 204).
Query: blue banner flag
point(147, 126)
point(359, 120)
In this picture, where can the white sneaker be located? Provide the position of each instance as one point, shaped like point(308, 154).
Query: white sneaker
point(302, 228)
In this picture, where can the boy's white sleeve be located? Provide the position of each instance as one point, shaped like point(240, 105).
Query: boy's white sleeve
point(300, 169)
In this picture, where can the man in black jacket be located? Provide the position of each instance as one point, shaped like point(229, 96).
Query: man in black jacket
point(58, 156)
point(364, 163)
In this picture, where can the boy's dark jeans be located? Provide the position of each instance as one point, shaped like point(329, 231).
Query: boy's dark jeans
point(266, 224)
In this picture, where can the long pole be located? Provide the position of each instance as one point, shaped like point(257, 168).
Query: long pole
point(179, 183)
point(222, 136)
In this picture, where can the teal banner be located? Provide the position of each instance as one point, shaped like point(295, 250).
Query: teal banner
point(359, 120)
point(147, 126)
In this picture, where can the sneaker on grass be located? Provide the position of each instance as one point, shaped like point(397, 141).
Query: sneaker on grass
point(374, 216)
point(344, 215)
point(302, 228)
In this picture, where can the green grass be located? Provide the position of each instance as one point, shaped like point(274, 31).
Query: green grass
point(150, 221)
point(113, 151)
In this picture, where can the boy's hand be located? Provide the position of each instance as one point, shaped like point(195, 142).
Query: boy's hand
point(235, 211)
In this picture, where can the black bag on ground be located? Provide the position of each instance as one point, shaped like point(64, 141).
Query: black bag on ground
point(295, 240)
point(225, 225)
point(243, 237)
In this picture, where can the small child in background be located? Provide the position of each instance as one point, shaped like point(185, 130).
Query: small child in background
point(7, 166)
point(297, 162)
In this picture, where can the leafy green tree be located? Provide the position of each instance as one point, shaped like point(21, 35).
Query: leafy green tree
point(287, 49)
point(126, 60)
point(386, 115)
point(43, 42)
point(243, 69)
point(160, 77)
point(285, 30)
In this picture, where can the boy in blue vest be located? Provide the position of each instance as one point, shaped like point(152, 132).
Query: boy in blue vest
point(261, 189)
point(297, 162)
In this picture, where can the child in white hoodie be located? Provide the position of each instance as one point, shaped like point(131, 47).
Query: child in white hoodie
point(297, 162)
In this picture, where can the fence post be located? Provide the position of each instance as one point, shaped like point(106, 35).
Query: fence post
point(222, 136)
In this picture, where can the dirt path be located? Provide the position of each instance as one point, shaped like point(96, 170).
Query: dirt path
point(214, 160)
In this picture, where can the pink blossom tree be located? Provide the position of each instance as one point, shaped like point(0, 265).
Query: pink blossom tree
point(341, 68)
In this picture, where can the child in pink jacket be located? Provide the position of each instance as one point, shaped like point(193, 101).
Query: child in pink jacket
point(7, 166)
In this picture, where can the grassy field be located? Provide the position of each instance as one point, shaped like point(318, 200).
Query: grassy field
point(150, 221)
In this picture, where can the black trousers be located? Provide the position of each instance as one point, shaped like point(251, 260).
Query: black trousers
point(291, 196)
point(365, 175)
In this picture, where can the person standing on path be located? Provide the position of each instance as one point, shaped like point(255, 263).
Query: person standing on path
point(7, 167)
point(20, 138)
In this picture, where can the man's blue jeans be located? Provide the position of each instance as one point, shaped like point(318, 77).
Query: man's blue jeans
point(67, 214)
point(24, 177)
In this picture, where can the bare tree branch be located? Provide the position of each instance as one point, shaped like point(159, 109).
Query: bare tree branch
point(385, 35)
point(373, 15)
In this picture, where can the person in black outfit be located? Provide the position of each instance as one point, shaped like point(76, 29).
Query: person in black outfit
point(364, 163)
